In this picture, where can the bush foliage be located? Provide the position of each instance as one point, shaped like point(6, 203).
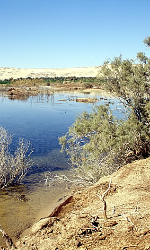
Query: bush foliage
point(13, 167)
point(98, 143)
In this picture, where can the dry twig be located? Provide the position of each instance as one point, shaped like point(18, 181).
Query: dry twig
point(103, 200)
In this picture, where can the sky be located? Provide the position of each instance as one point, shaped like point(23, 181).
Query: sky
point(71, 33)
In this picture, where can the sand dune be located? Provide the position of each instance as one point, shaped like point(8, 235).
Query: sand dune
point(7, 73)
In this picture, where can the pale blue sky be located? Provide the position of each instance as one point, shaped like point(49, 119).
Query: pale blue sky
point(71, 33)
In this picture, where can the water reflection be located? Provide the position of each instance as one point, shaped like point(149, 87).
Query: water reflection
point(42, 119)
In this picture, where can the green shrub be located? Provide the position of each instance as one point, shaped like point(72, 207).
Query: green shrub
point(5, 82)
point(98, 143)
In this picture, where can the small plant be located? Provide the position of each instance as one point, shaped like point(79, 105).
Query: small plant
point(13, 167)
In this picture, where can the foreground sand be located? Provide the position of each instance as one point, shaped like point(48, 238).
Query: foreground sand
point(70, 226)
point(7, 73)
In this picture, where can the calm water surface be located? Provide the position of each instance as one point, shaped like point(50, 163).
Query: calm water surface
point(41, 120)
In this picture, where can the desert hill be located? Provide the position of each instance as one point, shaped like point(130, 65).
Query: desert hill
point(78, 223)
point(7, 73)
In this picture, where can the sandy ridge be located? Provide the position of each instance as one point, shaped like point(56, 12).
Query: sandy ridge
point(7, 73)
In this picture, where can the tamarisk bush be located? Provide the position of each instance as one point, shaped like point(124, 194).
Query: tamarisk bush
point(98, 143)
point(13, 167)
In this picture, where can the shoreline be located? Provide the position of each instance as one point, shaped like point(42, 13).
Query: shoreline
point(20, 92)
point(47, 211)
point(71, 225)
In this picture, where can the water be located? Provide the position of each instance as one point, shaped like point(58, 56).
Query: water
point(40, 119)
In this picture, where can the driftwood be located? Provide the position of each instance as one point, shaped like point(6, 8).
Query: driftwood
point(104, 202)
point(9, 242)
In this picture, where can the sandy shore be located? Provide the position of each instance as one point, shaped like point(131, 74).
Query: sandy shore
point(80, 222)
point(48, 209)
point(7, 73)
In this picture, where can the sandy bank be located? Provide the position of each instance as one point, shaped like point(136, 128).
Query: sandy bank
point(79, 223)
point(7, 73)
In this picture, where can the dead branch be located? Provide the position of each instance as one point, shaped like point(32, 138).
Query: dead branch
point(103, 200)
point(9, 242)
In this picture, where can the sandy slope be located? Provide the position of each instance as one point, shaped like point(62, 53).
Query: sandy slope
point(128, 216)
point(6, 73)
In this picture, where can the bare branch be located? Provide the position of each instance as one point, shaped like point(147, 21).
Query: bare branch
point(103, 200)
point(13, 166)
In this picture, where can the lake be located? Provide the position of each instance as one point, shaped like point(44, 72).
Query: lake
point(41, 120)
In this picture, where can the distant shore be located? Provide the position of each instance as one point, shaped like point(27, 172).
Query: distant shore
point(15, 73)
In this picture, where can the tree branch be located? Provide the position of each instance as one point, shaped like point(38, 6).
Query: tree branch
point(103, 200)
